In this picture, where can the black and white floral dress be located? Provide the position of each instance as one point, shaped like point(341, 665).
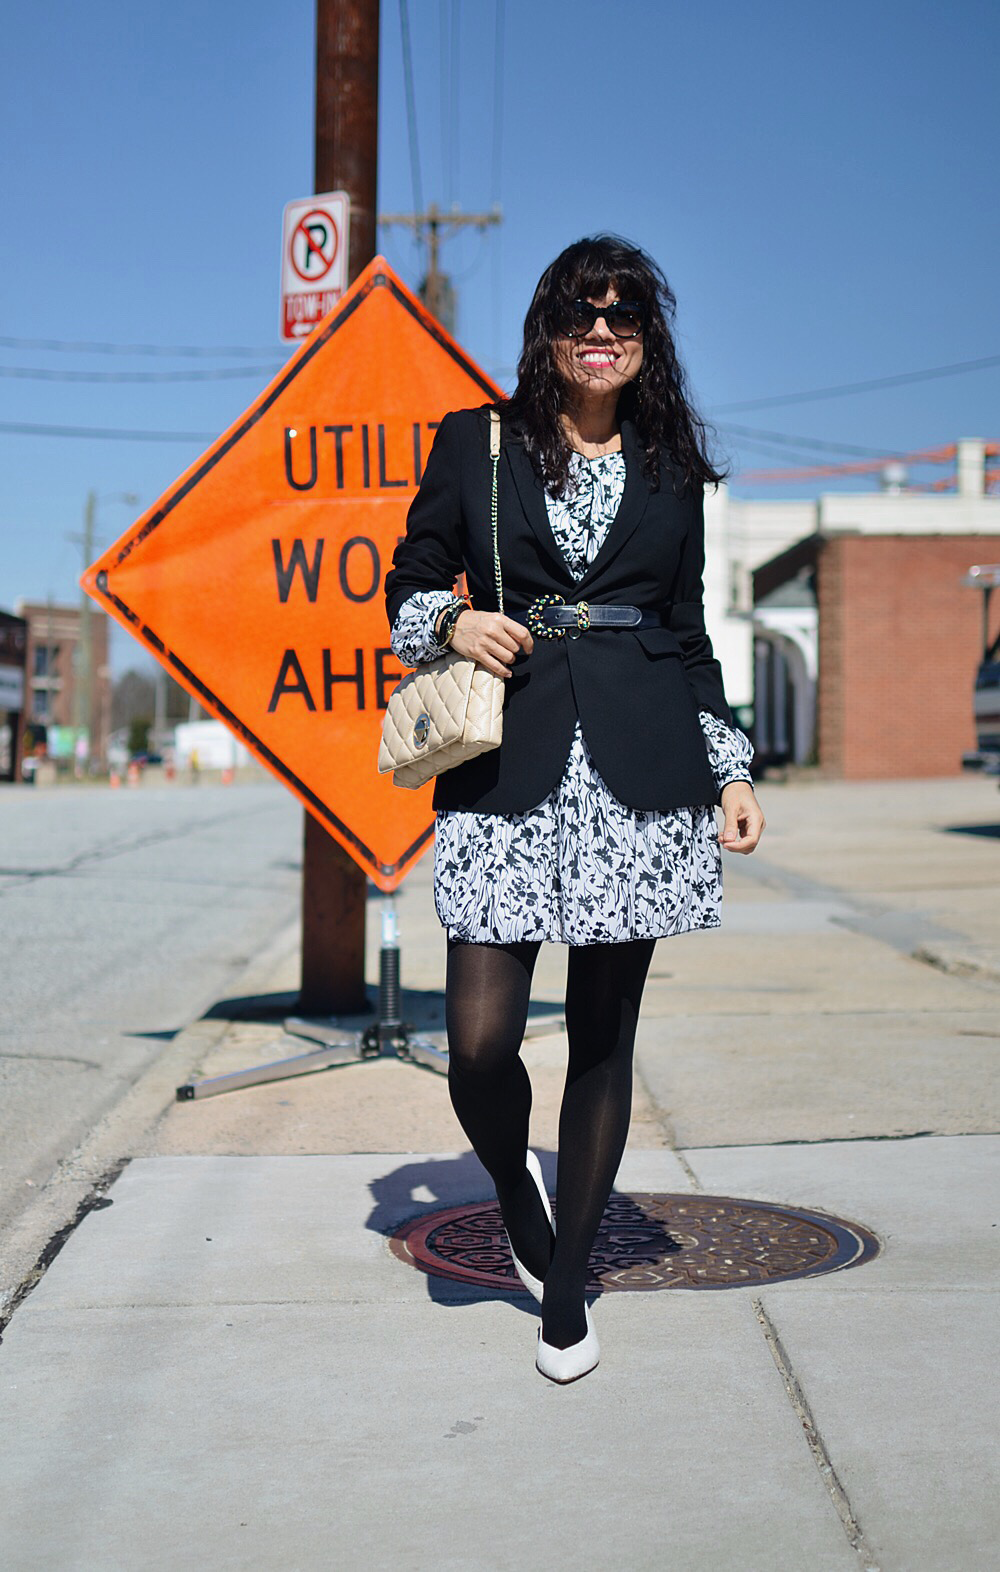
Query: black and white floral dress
point(581, 867)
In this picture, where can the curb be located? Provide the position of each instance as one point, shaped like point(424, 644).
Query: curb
point(79, 1180)
point(961, 960)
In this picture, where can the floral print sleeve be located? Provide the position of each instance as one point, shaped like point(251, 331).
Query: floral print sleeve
point(729, 750)
point(412, 640)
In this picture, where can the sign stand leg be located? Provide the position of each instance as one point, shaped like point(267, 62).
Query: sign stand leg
point(387, 1037)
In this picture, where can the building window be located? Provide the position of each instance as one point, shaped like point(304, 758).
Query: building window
point(40, 704)
point(45, 660)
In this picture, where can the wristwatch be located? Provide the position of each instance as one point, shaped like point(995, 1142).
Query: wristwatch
point(448, 621)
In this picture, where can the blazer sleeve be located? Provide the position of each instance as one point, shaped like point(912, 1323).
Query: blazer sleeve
point(430, 554)
point(687, 618)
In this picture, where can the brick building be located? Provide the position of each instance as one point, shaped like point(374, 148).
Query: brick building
point(65, 687)
point(13, 692)
point(848, 622)
point(898, 644)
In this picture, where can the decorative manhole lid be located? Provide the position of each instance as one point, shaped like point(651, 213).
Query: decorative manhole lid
point(650, 1241)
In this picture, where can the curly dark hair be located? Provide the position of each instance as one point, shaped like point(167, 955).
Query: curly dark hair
point(660, 408)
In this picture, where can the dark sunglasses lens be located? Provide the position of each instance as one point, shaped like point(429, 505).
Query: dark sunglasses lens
point(625, 321)
point(576, 318)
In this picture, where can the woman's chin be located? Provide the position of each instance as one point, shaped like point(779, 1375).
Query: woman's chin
point(600, 381)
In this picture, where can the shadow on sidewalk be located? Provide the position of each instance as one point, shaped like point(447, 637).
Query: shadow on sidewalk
point(989, 831)
point(422, 1009)
point(429, 1186)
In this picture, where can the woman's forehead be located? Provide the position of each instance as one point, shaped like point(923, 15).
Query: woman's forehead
point(601, 292)
point(598, 290)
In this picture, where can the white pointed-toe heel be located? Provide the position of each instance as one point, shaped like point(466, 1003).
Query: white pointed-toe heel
point(533, 1284)
point(569, 1364)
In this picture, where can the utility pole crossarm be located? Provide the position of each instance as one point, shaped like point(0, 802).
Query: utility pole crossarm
point(437, 225)
point(440, 219)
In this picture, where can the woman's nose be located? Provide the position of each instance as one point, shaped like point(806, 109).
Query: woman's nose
point(601, 331)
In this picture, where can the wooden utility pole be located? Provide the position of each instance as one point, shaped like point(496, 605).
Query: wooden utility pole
point(334, 888)
point(436, 225)
point(83, 682)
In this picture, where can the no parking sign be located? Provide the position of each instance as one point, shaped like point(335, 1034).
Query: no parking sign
point(314, 240)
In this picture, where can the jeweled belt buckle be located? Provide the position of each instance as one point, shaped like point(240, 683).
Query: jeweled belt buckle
point(582, 619)
point(533, 616)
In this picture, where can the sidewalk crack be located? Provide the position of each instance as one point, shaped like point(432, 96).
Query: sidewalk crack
point(821, 1457)
point(666, 1129)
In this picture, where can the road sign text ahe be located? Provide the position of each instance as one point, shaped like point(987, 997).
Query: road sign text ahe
point(257, 578)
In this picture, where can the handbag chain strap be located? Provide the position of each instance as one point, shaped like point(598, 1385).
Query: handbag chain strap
point(495, 456)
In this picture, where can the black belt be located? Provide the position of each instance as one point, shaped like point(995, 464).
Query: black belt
point(549, 617)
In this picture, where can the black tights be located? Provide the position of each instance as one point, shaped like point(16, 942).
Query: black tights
point(488, 986)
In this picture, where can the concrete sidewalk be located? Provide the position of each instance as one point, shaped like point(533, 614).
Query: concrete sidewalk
point(227, 1366)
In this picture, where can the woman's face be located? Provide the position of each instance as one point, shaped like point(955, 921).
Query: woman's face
point(597, 363)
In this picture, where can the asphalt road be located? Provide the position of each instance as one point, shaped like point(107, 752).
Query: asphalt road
point(124, 915)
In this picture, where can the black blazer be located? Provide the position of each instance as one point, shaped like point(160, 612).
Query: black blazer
point(637, 694)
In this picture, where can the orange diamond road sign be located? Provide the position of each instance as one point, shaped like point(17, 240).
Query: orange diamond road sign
point(256, 579)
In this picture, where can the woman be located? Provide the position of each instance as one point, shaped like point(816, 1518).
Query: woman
point(593, 824)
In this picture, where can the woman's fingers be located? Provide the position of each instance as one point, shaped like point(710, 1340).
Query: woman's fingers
point(744, 820)
point(491, 639)
point(502, 644)
point(519, 633)
point(496, 667)
point(506, 635)
point(751, 827)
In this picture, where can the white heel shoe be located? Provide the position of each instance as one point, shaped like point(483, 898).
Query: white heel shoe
point(569, 1364)
point(532, 1283)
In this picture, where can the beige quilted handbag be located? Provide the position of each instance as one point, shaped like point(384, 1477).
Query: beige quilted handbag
point(450, 709)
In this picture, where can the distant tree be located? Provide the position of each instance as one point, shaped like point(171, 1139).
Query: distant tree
point(138, 735)
point(133, 697)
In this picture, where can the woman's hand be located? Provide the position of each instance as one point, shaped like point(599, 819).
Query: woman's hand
point(492, 639)
point(744, 820)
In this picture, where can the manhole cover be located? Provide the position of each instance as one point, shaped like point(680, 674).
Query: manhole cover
point(650, 1241)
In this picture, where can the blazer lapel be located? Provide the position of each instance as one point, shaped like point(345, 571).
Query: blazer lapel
point(532, 496)
point(630, 510)
point(531, 492)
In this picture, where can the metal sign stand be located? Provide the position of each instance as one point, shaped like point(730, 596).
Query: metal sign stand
point(387, 1037)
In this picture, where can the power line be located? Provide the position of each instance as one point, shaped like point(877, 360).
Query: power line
point(24, 429)
point(411, 107)
point(498, 50)
point(945, 454)
point(219, 374)
point(803, 444)
point(452, 133)
point(443, 91)
point(67, 346)
point(496, 269)
point(844, 388)
point(788, 454)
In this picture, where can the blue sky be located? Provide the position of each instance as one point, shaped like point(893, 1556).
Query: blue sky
point(818, 184)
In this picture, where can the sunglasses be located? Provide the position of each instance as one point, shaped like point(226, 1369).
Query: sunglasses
point(579, 317)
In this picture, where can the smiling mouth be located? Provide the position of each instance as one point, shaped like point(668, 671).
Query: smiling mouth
point(597, 357)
